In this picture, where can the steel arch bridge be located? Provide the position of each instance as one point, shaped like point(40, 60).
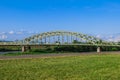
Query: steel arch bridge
point(59, 38)
point(62, 37)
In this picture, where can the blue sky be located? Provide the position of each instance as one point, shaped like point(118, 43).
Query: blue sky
point(86, 16)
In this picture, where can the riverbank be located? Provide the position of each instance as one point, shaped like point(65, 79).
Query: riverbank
point(44, 55)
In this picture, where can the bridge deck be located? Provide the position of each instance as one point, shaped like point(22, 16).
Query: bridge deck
point(57, 45)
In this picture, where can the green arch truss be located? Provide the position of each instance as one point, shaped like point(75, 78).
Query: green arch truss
point(61, 37)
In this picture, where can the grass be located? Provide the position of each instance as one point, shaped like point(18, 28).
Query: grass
point(31, 53)
point(84, 67)
point(24, 53)
point(19, 53)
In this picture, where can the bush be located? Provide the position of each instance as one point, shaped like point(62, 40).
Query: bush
point(74, 48)
point(114, 49)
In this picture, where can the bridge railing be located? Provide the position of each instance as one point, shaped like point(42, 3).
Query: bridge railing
point(20, 43)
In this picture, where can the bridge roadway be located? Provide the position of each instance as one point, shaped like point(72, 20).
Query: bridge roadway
point(25, 47)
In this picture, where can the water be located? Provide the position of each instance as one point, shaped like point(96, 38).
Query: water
point(9, 52)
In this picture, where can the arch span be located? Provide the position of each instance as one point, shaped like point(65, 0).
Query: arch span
point(61, 37)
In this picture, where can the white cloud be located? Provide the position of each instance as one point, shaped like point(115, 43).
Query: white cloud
point(19, 32)
point(3, 36)
point(13, 35)
point(11, 32)
point(98, 36)
point(109, 37)
point(117, 39)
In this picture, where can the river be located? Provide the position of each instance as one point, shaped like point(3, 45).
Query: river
point(9, 52)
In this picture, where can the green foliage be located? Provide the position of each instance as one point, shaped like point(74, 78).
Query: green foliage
point(110, 48)
point(75, 48)
point(61, 49)
point(46, 50)
point(84, 67)
point(5, 49)
point(78, 42)
point(114, 49)
point(72, 48)
point(8, 48)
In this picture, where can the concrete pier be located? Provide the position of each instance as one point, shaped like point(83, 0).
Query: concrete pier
point(98, 49)
point(23, 49)
point(26, 48)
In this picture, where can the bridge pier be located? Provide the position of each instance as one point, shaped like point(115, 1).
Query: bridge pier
point(98, 49)
point(26, 48)
point(23, 49)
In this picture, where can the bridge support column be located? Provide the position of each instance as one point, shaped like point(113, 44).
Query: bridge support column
point(26, 48)
point(23, 49)
point(98, 49)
